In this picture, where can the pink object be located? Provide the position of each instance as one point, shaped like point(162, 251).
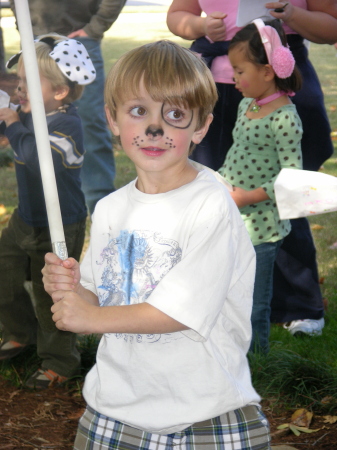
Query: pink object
point(279, 57)
point(272, 97)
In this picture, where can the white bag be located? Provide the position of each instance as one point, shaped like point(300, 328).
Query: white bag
point(302, 193)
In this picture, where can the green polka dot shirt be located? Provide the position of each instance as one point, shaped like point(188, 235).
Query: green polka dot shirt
point(261, 148)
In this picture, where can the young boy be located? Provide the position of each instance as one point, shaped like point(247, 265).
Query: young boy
point(167, 279)
point(64, 68)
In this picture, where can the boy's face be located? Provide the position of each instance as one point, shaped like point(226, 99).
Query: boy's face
point(51, 95)
point(156, 136)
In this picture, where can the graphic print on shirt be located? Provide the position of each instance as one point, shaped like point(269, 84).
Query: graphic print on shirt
point(135, 262)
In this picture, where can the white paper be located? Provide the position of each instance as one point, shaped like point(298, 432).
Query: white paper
point(250, 10)
point(4, 99)
point(303, 193)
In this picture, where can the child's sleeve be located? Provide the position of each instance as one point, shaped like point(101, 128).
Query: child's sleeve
point(287, 129)
point(217, 270)
point(66, 143)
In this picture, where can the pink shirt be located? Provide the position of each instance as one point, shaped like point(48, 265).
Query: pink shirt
point(221, 69)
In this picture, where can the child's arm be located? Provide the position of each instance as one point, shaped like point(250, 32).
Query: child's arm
point(243, 198)
point(76, 309)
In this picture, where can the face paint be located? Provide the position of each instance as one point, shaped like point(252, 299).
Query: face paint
point(176, 117)
point(154, 131)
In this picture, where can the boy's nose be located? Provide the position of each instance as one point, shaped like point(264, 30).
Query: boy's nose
point(154, 131)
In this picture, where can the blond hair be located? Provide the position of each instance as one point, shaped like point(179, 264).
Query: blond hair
point(50, 70)
point(170, 73)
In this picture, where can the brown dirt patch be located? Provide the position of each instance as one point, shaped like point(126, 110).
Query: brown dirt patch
point(48, 420)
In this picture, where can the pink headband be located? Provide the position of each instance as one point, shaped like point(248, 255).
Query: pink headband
point(279, 57)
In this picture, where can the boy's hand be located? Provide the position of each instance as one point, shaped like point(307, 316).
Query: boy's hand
point(73, 313)
point(9, 116)
point(215, 27)
point(60, 276)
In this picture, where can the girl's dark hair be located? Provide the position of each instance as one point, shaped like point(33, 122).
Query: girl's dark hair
point(256, 53)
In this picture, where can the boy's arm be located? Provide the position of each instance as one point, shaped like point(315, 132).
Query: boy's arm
point(76, 309)
point(73, 313)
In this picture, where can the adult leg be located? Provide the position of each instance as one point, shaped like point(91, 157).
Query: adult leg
point(297, 294)
point(295, 266)
point(263, 291)
point(16, 310)
point(56, 348)
point(98, 171)
point(213, 149)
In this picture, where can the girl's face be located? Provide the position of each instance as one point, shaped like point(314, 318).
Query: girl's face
point(156, 136)
point(49, 93)
point(251, 79)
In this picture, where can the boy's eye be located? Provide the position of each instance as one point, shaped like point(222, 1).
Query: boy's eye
point(175, 114)
point(138, 111)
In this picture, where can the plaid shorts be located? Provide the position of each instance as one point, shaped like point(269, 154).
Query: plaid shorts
point(243, 429)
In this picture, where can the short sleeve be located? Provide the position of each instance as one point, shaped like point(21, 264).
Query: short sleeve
point(195, 291)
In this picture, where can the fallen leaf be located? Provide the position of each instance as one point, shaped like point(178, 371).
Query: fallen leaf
point(301, 418)
point(327, 399)
point(316, 227)
point(332, 108)
point(330, 419)
point(294, 429)
point(3, 209)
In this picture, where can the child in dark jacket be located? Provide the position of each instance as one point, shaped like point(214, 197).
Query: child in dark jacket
point(64, 68)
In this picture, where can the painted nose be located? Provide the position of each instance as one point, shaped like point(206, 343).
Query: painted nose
point(154, 131)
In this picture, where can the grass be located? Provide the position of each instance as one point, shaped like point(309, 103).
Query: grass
point(297, 372)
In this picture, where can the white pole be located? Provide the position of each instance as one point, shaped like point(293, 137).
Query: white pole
point(41, 130)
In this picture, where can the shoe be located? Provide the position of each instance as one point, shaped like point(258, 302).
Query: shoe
point(306, 326)
point(43, 379)
point(10, 349)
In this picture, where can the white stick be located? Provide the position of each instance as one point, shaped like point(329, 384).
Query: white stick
point(41, 130)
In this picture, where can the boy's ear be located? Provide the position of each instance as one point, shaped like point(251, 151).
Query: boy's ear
point(112, 122)
point(198, 135)
point(61, 92)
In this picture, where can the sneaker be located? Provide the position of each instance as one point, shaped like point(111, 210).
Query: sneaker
point(10, 349)
point(306, 326)
point(43, 379)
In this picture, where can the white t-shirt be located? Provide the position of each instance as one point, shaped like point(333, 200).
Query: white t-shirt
point(187, 253)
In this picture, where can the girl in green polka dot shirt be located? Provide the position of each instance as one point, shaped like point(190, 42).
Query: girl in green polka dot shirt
point(267, 138)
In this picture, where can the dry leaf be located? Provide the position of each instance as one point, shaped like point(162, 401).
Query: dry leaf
point(317, 227)
point(327, 399)
point(330, 419)
point(332, 108)
point(3, 209)
point(301, 418)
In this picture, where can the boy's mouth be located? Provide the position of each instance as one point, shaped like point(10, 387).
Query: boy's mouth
point(153, 151)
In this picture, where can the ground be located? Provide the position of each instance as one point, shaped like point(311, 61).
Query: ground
point(48, 419)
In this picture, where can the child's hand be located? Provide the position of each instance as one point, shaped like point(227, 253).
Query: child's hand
point(60, 276)
point(73, 313)
point(9, 116)
point(286, 15)
point(215, 27)
point(240, 196)
point(243, 198)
